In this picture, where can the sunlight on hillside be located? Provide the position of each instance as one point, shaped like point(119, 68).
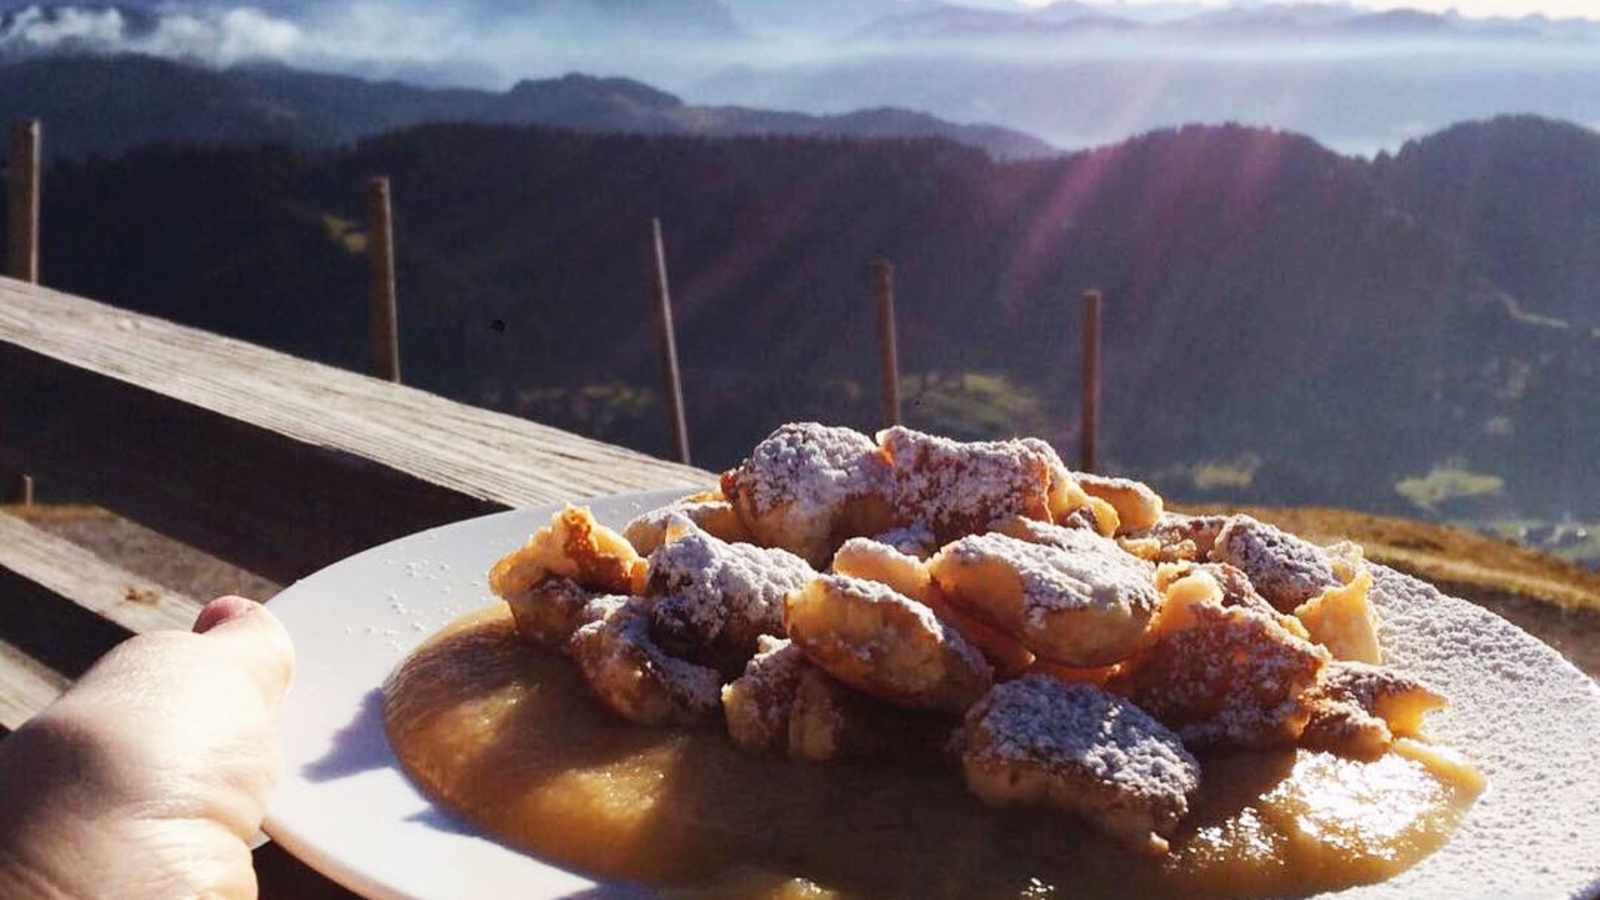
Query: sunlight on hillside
point(345, 233)
point(1236, 473)
point(972, 405)
point(1448, 482)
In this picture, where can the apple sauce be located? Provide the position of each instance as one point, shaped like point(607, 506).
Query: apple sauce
point(507, 736)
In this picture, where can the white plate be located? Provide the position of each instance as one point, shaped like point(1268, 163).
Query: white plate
point(1525, 715)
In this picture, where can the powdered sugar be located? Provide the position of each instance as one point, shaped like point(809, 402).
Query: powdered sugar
point(1172, 529)
point(757, 705)
point(873, 592)
point(958, 488)
point(1077, 570)
point(1287, 570)
point(1527, 719)
point(813, 467)
point(954, 676)
point(1345, 703)
point(1231, 677)
point(636, 677)
point(704, 583)
point(1041, 721)
point(1364, 685)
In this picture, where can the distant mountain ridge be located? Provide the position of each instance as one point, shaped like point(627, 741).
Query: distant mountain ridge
point(100, 104)
point(1291, 324)
point(1285, 22)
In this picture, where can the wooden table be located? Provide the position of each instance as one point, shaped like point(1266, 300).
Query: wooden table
point(278, 465)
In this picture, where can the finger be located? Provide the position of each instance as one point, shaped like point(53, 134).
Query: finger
point(221, 610)
point(254, 638)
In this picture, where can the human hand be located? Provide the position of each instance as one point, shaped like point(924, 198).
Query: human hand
point(146, 779)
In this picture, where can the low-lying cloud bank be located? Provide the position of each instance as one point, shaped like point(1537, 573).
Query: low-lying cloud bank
point(1072, 75)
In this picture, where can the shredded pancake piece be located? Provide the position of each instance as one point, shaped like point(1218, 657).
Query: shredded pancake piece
point(785, 705)
point(830, 721)
point(1036, 532)
point(1344, 620)
point(1041, 742)
point(634, 677)
point(1359, 709)
point(807, 486)
point(877, 640)
point(874, 561)
point(716, 597)
point(1078, 601)
point(575, 546)
point(549, 612)
point(1069, 504)
point(1235, 585)
point(1138, 506)
point(1181, 538)
point(880, 562)
point(1222, 676)
point(709, 510)
point(957, 488)
point(1287, 570)
point(758, 703)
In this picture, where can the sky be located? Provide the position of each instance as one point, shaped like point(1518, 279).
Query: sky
point(1553, 8)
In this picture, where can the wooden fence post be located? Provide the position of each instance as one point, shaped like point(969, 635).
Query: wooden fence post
point(882, 276)
point(23, 227)
point(384, 318)
point(671, 382)
point(1092, 303)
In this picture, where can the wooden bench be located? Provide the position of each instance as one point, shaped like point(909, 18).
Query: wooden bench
point(275, 464)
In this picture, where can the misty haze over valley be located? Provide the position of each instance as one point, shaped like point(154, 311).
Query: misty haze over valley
point(1072, 74)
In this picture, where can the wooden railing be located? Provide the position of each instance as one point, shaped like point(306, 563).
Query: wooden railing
point(275, 464)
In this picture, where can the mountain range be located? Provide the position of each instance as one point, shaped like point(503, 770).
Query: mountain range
point(105, 104)
point(1072, 74)
point(1286, 22)
point(1415, 333)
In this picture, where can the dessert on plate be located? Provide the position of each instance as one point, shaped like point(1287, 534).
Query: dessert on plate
point(911, 665)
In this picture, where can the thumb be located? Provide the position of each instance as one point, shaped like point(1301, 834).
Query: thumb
point(254, 638)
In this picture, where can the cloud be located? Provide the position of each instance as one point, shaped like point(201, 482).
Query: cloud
point(216, 36)
point(222, 37)
point(32, 27)
point(465, 43)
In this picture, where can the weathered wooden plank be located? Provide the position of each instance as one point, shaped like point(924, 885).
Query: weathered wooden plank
point(26, 686)
point(58, 634)
point(271, 462)
point(82, 578)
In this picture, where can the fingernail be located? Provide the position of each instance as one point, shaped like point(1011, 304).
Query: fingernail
point(221, 610)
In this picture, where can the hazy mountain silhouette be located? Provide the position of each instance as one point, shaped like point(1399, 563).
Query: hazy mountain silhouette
point(1284, 323)
point(1274, 22)
point(1521, 196)
point(98, 104)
